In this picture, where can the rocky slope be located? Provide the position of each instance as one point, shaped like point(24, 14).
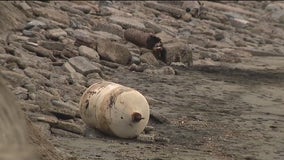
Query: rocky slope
point(217, 93)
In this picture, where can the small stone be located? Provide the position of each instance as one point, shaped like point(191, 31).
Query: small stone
point(166, 70)
point(52, 45)
point(137, 68)
point(149, 58)
point(146, 138)
point(67, 126)
point(56, 33)
point(110, 28)
point(113, 52)
point(135, 60)
point(84, 8)
point(29, 107)
point(43, 127)
point(125, 22)
point(64, 133)
point(21, 93)
point(187, 17)
point(89, 53)
point(219, 36)
point(83, 66)
point(35, 23)
point(69, 68)
point(53, 14)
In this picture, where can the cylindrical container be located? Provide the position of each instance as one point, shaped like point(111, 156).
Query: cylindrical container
point(115, 109)
point(141, 38)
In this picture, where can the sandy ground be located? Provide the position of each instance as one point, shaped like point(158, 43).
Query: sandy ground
point(213, 116)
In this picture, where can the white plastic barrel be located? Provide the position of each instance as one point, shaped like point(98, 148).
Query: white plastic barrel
point(114, 109)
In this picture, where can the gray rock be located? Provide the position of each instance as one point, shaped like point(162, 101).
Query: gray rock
point(149, 58)
point(83, 65)
point(21, 93)
point(84, 8)
point(125, 22)
point(166, 70)
point(68, 126)
point(63, 133)
point(152, 25)
point(110, 28)
point(69, 68)
point(35, 23)
point(106, 35)
point(71, 10)
point(89, 53)
point(56, 33)
point(83, 38)
point(53, 14)
point(178, 52)
point(113, 52)
point(149, 138)
point(51, 45)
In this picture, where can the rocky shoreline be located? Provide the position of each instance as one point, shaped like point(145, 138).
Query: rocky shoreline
point(52, 51)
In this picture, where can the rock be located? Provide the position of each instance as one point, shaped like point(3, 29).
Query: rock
point(113, 52)
point(84, 8)
point(149, 58)
point(158, 117)
point(71, 10)
point(57, 33)
point(21, 93)
point(35, 23)
point(83, 38)
point(187, 17)
point(67, 126)
point(83, 66)
point(43, 118)
point(146, 138)
point(51, 45)
point(63, 110)
point(174, 11)
point(89, 53)
point(110, 28)
point(106, 35)
point(40, 51)
point(162, 139)
point(15, 78)
point(43, 99)
point(136, 68)
point(135, 59)
point(155, 27)
point(178, 52)
point(63, 133)
point(219, 36)
point(109, 64)
point(192, 7)
point(43, 127)
point(149, 129)
point(29, 107)
point(166, 70)
point(68, 67)
point(126, 23)
point(53, 14)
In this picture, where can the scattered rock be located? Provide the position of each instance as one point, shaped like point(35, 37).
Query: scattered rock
point(146, 138)
point(166, 70)
point(63, 133)
point(89, 53)
point(149, 58)
point(57, 33)
point(158, 117)
point(21, 93)
point(35, 23)
point(68, 126)
point(110, 28)
point(83, 65)
point(52, 45)
point(137, 68)
point(113, 52)
point(53, 14)
point(178, 52)
point(126, 23)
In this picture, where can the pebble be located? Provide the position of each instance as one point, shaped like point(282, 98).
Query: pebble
point(83, 65)
point(56, 33)
point(89, 53)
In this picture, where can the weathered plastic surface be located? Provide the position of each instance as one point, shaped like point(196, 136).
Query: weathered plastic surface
point(115, 109)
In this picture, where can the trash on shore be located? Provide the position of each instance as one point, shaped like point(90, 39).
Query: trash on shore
point(115, 109)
